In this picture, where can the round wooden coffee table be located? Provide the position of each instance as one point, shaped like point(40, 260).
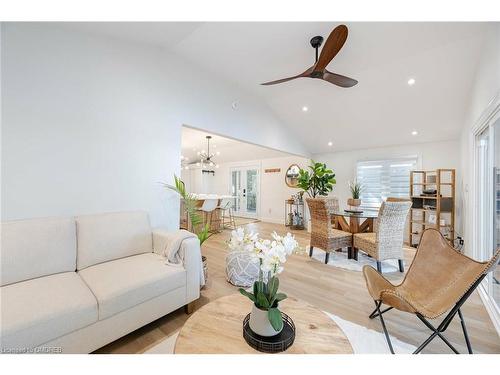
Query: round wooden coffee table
point(217, 328)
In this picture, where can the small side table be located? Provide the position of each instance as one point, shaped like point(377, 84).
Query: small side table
point(293, 208)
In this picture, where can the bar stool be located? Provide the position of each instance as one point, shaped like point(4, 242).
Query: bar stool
point(226, 207)
point(208, 208)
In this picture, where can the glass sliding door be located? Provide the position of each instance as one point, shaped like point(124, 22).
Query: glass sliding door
point(494, 280)
point(245, 188)
point(488, 203)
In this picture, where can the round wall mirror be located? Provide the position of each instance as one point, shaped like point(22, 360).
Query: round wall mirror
point(292, 175)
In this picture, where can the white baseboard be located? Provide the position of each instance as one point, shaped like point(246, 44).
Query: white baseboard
point(271, 220)
point(491, 307)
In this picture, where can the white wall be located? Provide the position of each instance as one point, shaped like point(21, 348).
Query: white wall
point(273, 188)
point(198, 182)
point(485, 89)
point(91, 124)
point(430, 156)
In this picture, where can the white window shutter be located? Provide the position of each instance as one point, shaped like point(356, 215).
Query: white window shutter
point(384, 178)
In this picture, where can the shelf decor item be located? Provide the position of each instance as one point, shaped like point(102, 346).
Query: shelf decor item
point(294, 212)
point(265, 318)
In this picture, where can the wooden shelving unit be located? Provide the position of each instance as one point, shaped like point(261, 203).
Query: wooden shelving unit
point(441, 205)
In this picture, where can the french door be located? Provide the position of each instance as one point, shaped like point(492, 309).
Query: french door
point(488, 203)
point(245, 190)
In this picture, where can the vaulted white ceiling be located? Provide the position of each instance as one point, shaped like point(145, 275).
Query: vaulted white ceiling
point(381, 110)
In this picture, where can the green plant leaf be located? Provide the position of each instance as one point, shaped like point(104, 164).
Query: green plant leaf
point(280, 297)
point(275, 283)
point(249, 295)
point(262, 300)
point(275, 318)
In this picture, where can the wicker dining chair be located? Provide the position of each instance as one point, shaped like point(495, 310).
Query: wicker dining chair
point(439, 280)
point(386, 241)
point(323, 235)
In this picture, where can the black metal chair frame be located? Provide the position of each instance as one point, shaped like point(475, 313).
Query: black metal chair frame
point(435, 331)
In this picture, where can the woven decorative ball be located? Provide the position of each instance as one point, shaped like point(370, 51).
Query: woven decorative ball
point(241, 269)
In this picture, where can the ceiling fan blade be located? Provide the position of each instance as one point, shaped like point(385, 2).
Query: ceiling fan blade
point(305, 74)
point(333, 44)
point(338, 79)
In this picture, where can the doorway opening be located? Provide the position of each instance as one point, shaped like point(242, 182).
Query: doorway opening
point(252, 177)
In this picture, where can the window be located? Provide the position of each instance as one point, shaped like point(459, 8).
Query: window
point(384, 178)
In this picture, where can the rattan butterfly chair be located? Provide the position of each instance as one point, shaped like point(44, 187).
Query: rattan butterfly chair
point(439, 280)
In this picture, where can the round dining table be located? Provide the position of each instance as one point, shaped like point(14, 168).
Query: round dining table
point(355, 225)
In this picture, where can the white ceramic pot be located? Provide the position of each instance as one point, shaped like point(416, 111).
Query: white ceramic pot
point(260, 324)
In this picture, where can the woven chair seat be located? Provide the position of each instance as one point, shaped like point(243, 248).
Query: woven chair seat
point(339, 238)
point(366, 242)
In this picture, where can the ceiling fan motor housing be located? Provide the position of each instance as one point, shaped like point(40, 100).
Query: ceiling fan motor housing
point(317, 41)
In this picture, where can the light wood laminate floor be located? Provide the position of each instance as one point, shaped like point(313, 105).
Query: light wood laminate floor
point(331, 289)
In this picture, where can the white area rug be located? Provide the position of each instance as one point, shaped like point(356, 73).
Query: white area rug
point(339, 259)
point(362, 339)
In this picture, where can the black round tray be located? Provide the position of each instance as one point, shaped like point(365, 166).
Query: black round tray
point(272, 344)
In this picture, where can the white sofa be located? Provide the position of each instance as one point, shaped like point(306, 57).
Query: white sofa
point(73, 285)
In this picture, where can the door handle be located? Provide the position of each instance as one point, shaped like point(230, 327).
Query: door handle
point(244, 192)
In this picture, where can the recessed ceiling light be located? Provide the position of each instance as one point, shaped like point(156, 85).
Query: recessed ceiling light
point(411, 81)
point(218, 152)
point(414, 132)
point(305, 109)
point(186, 167)
point(330, 143)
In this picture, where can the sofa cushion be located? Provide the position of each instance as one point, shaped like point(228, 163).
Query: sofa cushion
point(36, 311)
point(36, 247)
point(120, 284)
point(106, 237)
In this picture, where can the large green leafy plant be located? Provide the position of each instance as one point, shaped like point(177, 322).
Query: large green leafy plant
point(318, 181)
point(190, 207)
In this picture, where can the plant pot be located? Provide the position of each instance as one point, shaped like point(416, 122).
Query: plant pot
point(354, 202)
point(205, 269)
point(260, 324)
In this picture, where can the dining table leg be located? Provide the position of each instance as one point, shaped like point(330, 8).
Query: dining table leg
point(354, 224)
point(366, 226)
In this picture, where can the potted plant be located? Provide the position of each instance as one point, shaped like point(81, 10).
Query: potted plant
point(265, 317)
point(318, 181)
point(196, 220)
point(355, 188)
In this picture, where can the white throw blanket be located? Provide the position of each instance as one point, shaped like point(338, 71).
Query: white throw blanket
point(172, 250)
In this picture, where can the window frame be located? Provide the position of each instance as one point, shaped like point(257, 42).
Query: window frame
point(385, 161)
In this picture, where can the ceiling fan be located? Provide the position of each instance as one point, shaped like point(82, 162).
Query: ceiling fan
point(333, 44)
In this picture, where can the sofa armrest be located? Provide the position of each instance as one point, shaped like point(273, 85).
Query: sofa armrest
point(190, 253)
point(160, 239)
